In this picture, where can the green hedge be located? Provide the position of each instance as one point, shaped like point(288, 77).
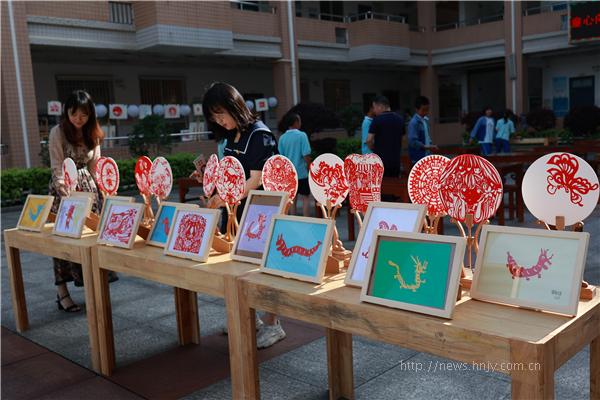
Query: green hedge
point(345, 147)
point(17, 183)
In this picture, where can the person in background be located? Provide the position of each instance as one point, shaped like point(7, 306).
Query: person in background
point(78, 136)
point(504, 128)
point(484, 131)
point(294, 145)
point(252, 143)
point(419, 140)
point(366, 124)
point(385, 136)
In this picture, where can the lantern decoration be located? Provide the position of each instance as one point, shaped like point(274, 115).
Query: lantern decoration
point(158, 109)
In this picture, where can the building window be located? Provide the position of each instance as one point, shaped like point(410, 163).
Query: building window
point(450, 99)
point(336, 93)
point(99, 87)
point(162, 91)
point(120, 13)
point(341, 35)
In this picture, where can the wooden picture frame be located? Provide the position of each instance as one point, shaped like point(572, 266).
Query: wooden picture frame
point(71, 216)
point(436, 293)
point(253, 231)
point(286, 238)
point(198, 223)
point(552, 284)
point(107, 201)
point(121, 224)
point(35, 212)
point(165, 207)
point(375, 211)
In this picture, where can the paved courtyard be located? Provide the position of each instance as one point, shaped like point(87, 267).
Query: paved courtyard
point(146, 339)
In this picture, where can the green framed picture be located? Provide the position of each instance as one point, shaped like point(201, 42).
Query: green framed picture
point(414, 271)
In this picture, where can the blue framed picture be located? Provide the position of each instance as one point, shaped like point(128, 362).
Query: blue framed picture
point(163, 221)
point(298, 247)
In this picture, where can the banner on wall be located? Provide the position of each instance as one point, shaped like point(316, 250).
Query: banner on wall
point(54, 107)
point(172, 111)
point(261, 104)
point(197, 110)
point(560, 97)
point(117, 111)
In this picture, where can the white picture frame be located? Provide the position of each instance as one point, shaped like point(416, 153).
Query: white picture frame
point(198, 250)
point(406, 217)
point(107, 201)
point(170, 208)
point(71, 216)
point(251, 239)
point(505, 271)
point(121, 224)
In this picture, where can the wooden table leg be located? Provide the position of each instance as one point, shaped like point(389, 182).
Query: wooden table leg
point(90, 306)
point(339, 365)
point(104, 317)
point(13, 259)
point(188, 324)
point(532, 370)
point(595, 368)
point(241, 327)
point(351, 235)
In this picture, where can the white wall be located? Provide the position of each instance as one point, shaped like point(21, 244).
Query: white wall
point(570, 66)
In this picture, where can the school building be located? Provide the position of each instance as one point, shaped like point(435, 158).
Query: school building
point(462, 55)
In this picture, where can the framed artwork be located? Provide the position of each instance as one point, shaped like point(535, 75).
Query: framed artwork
point(108, 200)
point(534, 268)
point(560, 184)
point(119, 227)
point(414, 271)
point(402, 217)
point(192, 233)
point(71, 216)
point(297, 247)
point(164, 220)
point(35, 212)
point(261, 207)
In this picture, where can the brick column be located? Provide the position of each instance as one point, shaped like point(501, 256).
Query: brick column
point(515, 64)
point(428, 75)
point(12, 127)
point(282, 68)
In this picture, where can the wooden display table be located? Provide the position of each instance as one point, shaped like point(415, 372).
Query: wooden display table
point(479, 332)
point(75, 250)
point(217, 277)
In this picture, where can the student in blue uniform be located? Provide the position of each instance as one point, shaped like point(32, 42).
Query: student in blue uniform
point(252, 143)
point(419, 140)
point(294, 145)
point(504, 128)
point(484, 131)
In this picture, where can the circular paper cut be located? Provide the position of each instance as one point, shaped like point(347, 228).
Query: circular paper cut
point(471, 185)
point(210, 175)
point(142, 174)
point(560, 184)
point(364, 174)
point(327, 181)
point(161, 178)
point(70, 173)
point(279, 175)
point(230, 180)
point(107, 175)
point(424, 183)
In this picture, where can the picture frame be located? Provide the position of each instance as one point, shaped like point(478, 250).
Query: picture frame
point(435, 294)
point(406, 217)
point(71, 216)
point(251, 240)
point(159, 233)
point(296, 244)
point(550, 278)
point(107, 201)
point(35, 212)
point(192, 233)
point(120, 226)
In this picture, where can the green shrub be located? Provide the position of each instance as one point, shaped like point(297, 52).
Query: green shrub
point(345, 147)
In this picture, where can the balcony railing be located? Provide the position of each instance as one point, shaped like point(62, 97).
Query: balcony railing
point(356, 17)
point(474, 21)
point(120, 13)
point(257, 6)
point(544, 8)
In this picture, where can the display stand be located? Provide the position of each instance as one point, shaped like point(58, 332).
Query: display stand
point(148, 213)
point(431, 223)
point(223, 243)
point(472, 247)
point(339, 257)
point(587, 291)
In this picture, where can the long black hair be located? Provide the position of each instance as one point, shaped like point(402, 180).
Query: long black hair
point(222, 96)
point(92, 134)
point(288, 120)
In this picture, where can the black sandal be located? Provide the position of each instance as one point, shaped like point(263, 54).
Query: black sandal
point(72, 308)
